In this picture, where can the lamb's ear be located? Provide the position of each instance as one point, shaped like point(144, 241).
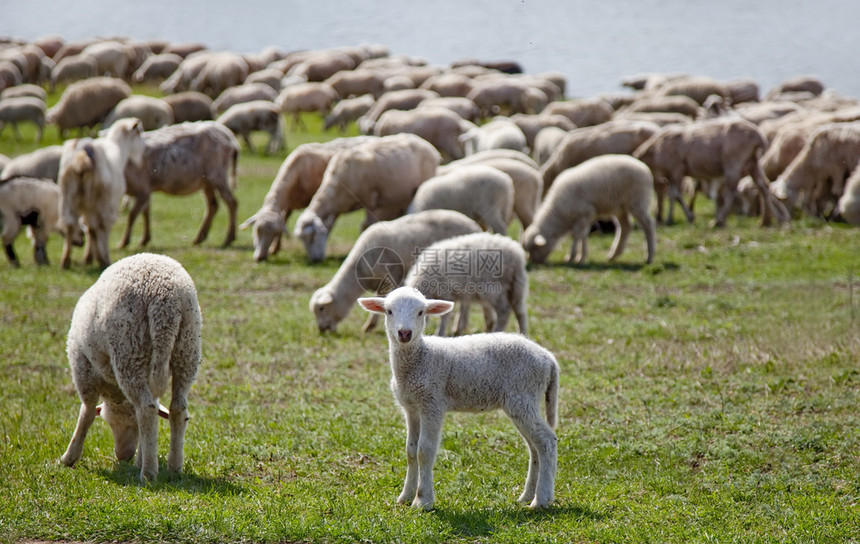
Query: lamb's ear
point(540, 241)
point(248, 222)
point(373, 304)
point(439, 307)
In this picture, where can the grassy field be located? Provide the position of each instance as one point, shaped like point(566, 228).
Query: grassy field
point(709, 397)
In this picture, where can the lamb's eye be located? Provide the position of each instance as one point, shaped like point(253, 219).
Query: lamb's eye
point(389, 312)
point(420, 313)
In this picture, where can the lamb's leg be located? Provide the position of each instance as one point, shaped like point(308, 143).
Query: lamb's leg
point(410, 484)
point(543, 445)
point(132, 216)
point(581, 229)
point(178, 419)
point(463, 317)
point(428, 443)
point(211, 208)
point(146, 410)
point(146, 237)
point(66, 258)
point(646, 223)
point(101, 246)
point(10, 254)
point(371, 323)
point(40, 254)
point(622, 232)
point(232, 205)
point(86, 416)
point(502, 309)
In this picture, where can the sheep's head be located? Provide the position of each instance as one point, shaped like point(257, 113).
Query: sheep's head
point(268, 226)
point(128, 132)
point(326, 311)
point(405, 310)
point(123, 425)
point(536, 245)
point(313, 233)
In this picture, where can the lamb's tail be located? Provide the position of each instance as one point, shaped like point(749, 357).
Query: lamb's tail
point(551, 397)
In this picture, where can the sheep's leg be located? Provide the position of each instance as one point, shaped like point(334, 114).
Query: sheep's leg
point(463, 317)
point(428, 443)
point(211, 208)
point(676, 194)
point(371, 323)
point(581, 229)
point(442, 329)
point(646, 223)
point(101, 247)
point(489, 317)
point(66, 257)
point(729, 193)
point(178, 418)
point(139, 202)
point(622, 232)
point(146, 237)
point(246, 136)
point(232, 205)
point(497, 223)
point(413, 431)
point(86, 416)
point(40, 254)
point(543, 445)
point(146, 410)
point(660, 189)
point(10, 231)
point(503, 314)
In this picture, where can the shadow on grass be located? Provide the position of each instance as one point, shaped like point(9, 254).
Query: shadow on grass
point(127, 474)
point(481, 523)
point(598, 266)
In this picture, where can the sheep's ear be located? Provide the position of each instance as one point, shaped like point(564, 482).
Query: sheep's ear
point(540, 241)
point(439, 307)
point(325, 298)
point(373, 304)
point(163, 412)
point(248, 222)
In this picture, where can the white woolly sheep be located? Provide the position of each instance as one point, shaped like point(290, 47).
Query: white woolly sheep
point(532, 124)
point(86, 103)
point(347, 111)
point(546, 142)
point(19, 109)
point(607, 186)
point(381, 176)
point(296, 182)
point(245, 92)
point(41, 163)
point(270, 77)
point(480, 192)
point(432, 375)
point(528, 186)
point(190, 106)
point(355, 83)
point(190, 67)
point(257, 115)
point(500, 133)
point(379, 260)
point(136, 329)
point(92, 183)
point(33, 203)
point(180, 160)
point(111, 56)
point(306, 97)
point(153, 112)
point(483, 267)
point(440, 126)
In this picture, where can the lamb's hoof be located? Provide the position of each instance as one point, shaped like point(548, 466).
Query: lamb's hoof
point(423, 504)
point(526, 498)
point(539, 505)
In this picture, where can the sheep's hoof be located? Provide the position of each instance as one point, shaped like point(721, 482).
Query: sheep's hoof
point(423, 504)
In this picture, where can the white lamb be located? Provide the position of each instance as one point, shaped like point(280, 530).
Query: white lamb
point(136, 329)
point(432, 375)
point(481, 192)
point(380, 259)
point(607, 186)
point(499, 133)
point(32, 202)
point(488, 268)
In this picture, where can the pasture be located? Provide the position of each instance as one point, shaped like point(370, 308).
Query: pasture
point(711, 396)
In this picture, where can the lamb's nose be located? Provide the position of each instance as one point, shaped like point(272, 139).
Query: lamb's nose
point(404, 335)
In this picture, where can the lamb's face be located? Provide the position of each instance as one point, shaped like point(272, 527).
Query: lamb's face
point(123, 424)
point(406, 312)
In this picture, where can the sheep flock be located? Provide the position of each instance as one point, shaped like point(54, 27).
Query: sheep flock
point(499, 149)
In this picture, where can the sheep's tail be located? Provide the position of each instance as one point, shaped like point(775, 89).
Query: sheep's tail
point(551, 396)
point(233, 178)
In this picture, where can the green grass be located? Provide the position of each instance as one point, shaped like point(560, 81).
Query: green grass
point(709, 397)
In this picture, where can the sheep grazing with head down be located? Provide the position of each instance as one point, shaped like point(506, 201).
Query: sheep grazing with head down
point(136, 329)
point(33, 203)
point(433, 375)
point(607, 186)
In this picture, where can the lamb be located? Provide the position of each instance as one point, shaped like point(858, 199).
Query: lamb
point(92, 183)
point(489, 268)
point(190, 106)
point(296, 182)
point(22, 108)
point(136, 328)
point(381, 176)
point(41, 163)
point(153, 112)
point(380, 259)
point(480, 192)
point(607, 186)
point(32, 202)
point(243, 93)
point(180, 160)
point(440, 126)
point(471, 373)
point(849, 203)
point(86, 103)
point(348, 111)
point(306, 97)
point(257, 115)
point(500, 133)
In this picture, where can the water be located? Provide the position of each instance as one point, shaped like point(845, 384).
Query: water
point(595, 43)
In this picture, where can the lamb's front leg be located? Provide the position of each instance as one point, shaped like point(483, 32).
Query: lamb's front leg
point(413, 430)
point(428, 443)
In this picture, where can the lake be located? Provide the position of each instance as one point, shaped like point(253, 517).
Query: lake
point(595, 43)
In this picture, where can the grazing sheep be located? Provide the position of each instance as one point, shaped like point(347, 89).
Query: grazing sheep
point(433, 375)
point(650, 103)
point(381, 176)
point(220, 71)
point(32, 202)
point(296, 182)
point(404, 99)
point(25, 89)
point(806, 84)
point(380, 259)
point(306, 97)
point(190, 67)
point(112, 57)
point(92, 183)
point(480, 192)
point(243, 93)
point(133, 331)
point(607, 186)
point(190, 106)
point(256, 115)
point(355, 83)
point(699, 88)
point(41, 163)
point(18, 109)
point(500, 133)
point(462, 106)
point(440, 126)
point(270, 77)
point(449, 84)
point(180, 160)
point(10, 74)
point(483, 267)
point(348, 111)
point(86, 103)
point(546, 142)
point(583, 112)
point(849, 203)
point(528, 186)
point(723, 147)
point(532, 124)
point(157, 68)
point(498, 93)
point(153, 112)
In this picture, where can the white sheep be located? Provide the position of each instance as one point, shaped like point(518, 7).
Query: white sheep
point(73, 68)
point(380, 259)
point(481, 192)
point(848, 205)
point(348, 111)
point(245, 92)
point(157, 68)
point(190, 106)
point(433, 375)
point(488, 268)
point(18, 109)
point(136, 329)
point(439, 126)
point(153, 112)
point(607, 186)
point(33, 203)
point(499, 133)
point(40, 163)
point(306, 97)
point(86, 103)
point(380, 176)
point(256, 115)
point(92, 183)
